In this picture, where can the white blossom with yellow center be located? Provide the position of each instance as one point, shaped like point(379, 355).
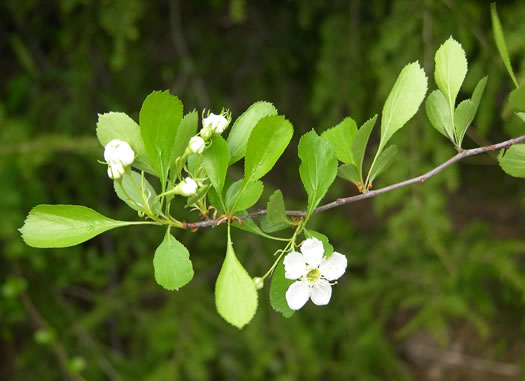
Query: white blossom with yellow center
point(313, 273)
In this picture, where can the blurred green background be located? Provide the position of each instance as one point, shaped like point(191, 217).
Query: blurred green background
point(435, 288)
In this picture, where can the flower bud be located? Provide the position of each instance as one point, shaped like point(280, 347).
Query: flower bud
point(187, 187)
point(259, 283)
point(115, 170)
point(118, 151)
point(216, 123)
point(196, 145)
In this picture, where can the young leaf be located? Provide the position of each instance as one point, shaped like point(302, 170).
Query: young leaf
point(243, 126)
point(360, 143)
point(49, 226)
point(187, 128)
point(403, 101)
point(463, 116)
point(266, 144)
point(278, 289)
point(172, 263)
point(159, 119)
point(276, 212)
point(512, 160)
point(318, 168)
point(521, 115)
point(478, 91)
point(438, 113)
point(349, 172)
point(517, 98)
point(241, 199)
point(117, 125)
point(235, 293)
point(451, 69)
point(128, 189)
point(383, 162)
point(341, 138)
point(250, 226)
point(499, 37)
point(215, 161)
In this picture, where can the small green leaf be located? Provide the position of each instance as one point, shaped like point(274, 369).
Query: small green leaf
point(215, 161)
point(328, 248)
point(242, 198)
point(278, 289)
point(521, 115)
point(235, 293)
point(512, 160)
point(266, 144)
point(243, 126)
point(499, 37)
point(403, 101)
point(249, 225)
point(172, 263)
point(463, 116)
point(117, 125)
point(276, 212)
point(129, 190)
point(478, 91)
point(159, 119)
point(49, 226)
point(383, 162)
point(318, 168)
point(349, 172)
point(438, 113)
point(341, 138)
point(186, 130)
point(360, 143)
point(451, 69)
point(517, 98)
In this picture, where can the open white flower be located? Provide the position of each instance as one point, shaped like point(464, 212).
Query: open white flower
point(196, 145)
point(187, 187)
point(313, 273)
point(215, 123)
point(118, 151)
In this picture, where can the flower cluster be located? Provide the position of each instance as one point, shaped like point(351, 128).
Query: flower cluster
point(118, 155)
point(313, 273)
point(215, 124)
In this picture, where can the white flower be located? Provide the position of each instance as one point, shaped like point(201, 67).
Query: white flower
point(196, 145)
point(187, 187)
point(115, 170)
point(215, 123)
point(313, 274)
point(118, 151)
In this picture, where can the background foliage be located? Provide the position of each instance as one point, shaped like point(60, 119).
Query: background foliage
point(434, 271)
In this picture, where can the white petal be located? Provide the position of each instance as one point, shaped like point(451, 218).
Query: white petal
point(313, 251)
point(321, 293)
point(294, 265)
point(298, 294)
point(333, 267)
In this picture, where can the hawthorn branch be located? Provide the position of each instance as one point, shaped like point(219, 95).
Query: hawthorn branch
point(369, 194)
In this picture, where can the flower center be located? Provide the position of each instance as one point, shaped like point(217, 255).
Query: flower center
point(313, 276)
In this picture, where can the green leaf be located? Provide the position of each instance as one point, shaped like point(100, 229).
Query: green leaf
point(360, 143)
point(517, 98)
point(278, 289)
point(451, 69)
point(128, 189)
point(318, 168)
point(215, 161)
point(172, 263)
point(242, 198)
point(478, 91)
point(249, 225)
point(512, 160)
point(49, 226)
point(266, 144)
point(349, 172)
point(463, 116)
point(403, 101)
point(276, 212)
point(383, 162)
point(341, 138)
point(243, 126)
point(521, 115)
point(328, 248)
point(117, 125)
point(235, 293)
point(186, 130)
point(438, 113)
point(499, 37)
point(159, 119)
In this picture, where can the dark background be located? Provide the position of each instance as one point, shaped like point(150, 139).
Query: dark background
point(435, 288)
